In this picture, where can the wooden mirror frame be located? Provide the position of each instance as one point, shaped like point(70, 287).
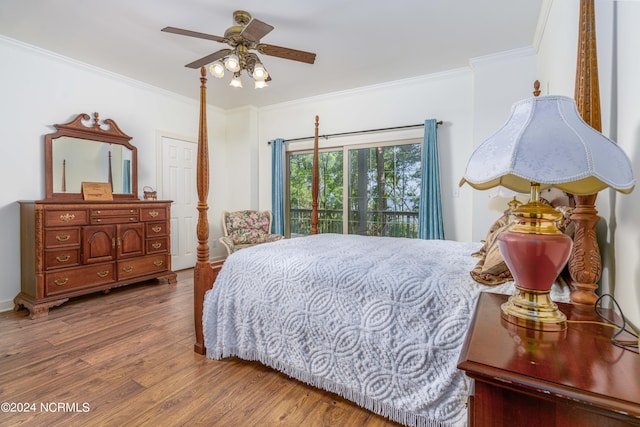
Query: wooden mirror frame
point(111, 134)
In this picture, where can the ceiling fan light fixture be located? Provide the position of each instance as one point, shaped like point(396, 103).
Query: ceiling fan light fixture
point(235, 81)
point(217, 69)
point(232, 63)
point(243, 40)
point(259, 84)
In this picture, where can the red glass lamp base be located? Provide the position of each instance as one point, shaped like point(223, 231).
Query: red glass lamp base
point(535, 260)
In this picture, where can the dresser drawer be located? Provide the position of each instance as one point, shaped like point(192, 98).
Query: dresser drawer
point(113, 216)
point(156, 229)
point(71, 279)
point(113, 219)
point(153, 214)
point(142, 266)
point(159, 244)
point(58, 237)
point(60, 258)
point(114, 212)
point(54, 218)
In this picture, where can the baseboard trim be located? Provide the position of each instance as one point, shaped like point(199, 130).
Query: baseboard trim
point(6, 305)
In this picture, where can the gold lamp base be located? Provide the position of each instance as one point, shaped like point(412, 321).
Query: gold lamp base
point(534, 310)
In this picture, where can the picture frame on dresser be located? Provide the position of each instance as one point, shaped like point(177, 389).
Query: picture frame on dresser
point(70, 246)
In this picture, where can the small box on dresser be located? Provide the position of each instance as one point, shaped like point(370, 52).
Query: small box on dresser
point(77, 247)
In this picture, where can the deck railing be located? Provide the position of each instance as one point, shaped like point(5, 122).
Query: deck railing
point(388, 223)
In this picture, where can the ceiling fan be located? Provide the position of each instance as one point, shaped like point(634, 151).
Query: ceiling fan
point(243, 39)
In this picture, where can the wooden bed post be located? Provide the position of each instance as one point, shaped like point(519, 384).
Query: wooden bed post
point(315, 178)
point(202, 273)
point(585, 264)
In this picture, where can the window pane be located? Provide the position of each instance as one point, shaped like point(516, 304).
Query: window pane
point(330, 206)
point(384, 190)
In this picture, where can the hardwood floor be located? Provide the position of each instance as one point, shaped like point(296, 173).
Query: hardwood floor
point(126, 358)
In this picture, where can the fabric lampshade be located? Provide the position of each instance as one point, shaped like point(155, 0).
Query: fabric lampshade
point(546, 141)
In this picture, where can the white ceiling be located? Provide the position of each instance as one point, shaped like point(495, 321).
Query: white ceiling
point(358, 42)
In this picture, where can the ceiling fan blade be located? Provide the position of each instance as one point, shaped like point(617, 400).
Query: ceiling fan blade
point(286, 53)
point(208, 59)
point(190, 33)
point(256, 30)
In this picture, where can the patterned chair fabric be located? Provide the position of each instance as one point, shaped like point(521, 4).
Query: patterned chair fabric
point(246, 228)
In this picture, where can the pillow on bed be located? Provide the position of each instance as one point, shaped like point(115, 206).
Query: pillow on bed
point(491, 268)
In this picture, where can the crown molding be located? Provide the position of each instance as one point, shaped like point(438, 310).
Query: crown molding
point(545, 11)
point(501, 56)
point(97, 70)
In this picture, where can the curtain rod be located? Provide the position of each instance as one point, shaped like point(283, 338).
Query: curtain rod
point(357, 132)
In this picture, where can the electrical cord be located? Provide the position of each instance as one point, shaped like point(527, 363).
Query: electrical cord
point(621, 327)
point(631, 345)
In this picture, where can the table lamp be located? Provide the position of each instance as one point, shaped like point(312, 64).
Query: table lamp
point(544, 143)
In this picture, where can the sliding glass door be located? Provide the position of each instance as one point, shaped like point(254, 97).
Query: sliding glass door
point(381, 186)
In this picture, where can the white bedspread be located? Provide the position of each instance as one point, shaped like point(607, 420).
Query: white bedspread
point(379, 321)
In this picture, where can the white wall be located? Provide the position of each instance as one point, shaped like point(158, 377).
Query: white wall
point(624, 107)
point(499, 81)
point(40, 89)
point(617, 34)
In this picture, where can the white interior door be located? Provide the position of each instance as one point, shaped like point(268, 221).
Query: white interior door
point(178, 184)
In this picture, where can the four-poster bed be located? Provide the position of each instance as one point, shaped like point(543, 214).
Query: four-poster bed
point(380, 321)
point(205, 274)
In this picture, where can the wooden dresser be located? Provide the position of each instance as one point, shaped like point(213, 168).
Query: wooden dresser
point(76, 247)
point(526, 378)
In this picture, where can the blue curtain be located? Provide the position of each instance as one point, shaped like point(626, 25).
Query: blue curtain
point(430, 210)
point(126, 176)
point(277, 185)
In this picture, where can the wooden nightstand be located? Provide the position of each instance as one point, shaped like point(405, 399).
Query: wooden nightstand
point(525, 378)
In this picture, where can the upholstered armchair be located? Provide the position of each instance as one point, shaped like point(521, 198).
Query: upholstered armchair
point(246, 228)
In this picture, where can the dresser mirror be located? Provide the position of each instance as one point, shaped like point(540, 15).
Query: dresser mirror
point(83, 150)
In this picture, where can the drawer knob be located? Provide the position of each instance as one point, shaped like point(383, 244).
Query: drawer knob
point(153, 214)
point(158, 263)
point(156, 245)
point(127, 269)
point(63, 237)
point(61, 282)
point(156, 229)
point(102, 274)
point(63, 258)
point(67, 217)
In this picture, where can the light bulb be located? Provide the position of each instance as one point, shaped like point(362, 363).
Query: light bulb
point(232, 63)
point(217, 69)
point(259, 72)
point(259, 84)
point(235, 81)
